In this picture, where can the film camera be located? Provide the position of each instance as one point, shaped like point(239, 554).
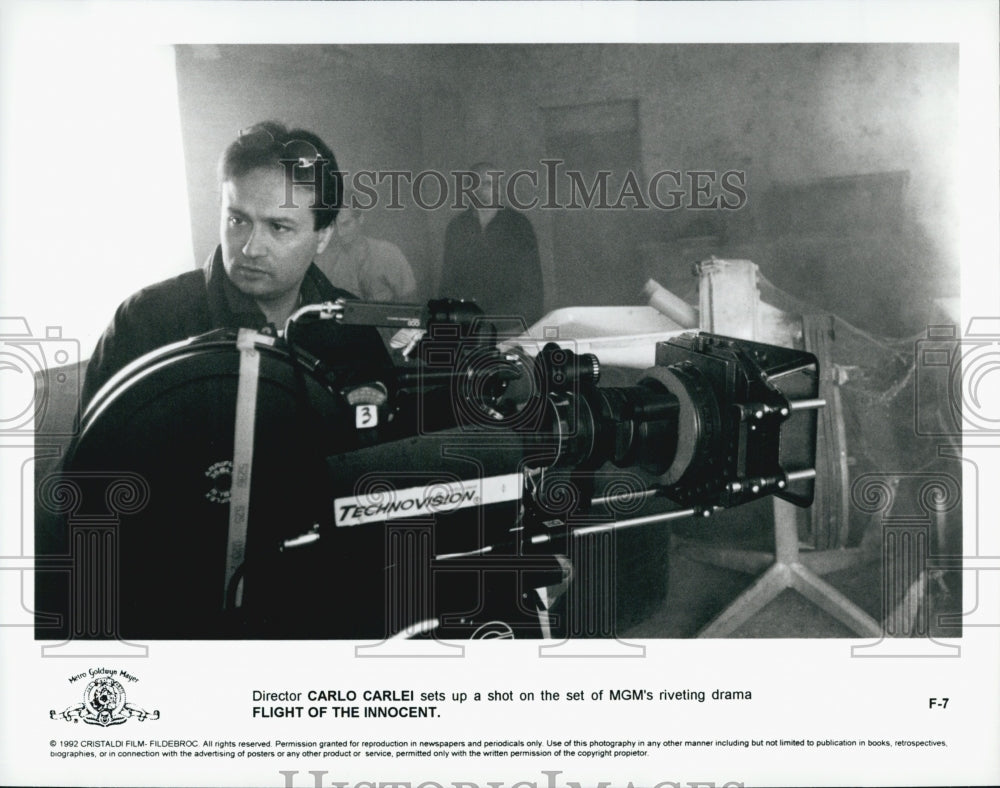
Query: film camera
point(313, 484)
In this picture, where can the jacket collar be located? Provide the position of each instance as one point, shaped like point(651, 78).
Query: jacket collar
point(232, 308)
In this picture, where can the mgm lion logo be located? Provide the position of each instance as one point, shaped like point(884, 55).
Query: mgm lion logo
point(104, 704)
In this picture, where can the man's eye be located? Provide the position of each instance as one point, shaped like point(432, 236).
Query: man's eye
point(280, 228)
point(235, 221)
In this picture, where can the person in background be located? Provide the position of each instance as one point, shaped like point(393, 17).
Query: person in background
point(372, 269)
point(491, 255)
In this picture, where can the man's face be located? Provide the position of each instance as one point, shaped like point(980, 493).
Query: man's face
point(266, 247)
point(348, 225)
point(484, 191)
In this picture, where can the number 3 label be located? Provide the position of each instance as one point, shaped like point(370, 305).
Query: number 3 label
point(365, 416)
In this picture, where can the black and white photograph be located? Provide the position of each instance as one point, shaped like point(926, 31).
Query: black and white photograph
point(372, 456)
point(655, 349)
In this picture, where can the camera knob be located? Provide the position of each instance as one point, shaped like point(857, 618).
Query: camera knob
point(590, 368)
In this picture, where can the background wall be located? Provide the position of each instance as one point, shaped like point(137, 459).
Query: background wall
point(848, 152)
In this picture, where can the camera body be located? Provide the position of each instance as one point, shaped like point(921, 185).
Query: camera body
point(379, 493)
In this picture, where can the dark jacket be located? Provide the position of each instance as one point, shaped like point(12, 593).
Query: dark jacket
point(184, 306)
point(497, 266)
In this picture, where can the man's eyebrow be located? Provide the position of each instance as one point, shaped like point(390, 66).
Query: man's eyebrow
point(279, 218)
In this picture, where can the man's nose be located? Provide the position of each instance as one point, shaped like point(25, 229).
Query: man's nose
point(255, 245)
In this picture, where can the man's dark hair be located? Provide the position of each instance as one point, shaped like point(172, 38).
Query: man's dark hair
point(297, 153)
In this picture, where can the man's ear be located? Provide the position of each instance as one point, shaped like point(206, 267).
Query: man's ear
point(323, 237)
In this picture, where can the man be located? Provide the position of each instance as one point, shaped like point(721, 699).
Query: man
point(263, 269)
point(373, 269)
point(171, 430)
point(491, 255)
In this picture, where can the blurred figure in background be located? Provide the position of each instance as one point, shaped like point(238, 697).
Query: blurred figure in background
point(370, 268)
point(491, 254)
